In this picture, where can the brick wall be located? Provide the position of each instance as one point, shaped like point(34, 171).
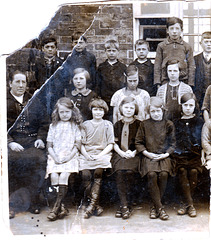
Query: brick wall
point(100, 22)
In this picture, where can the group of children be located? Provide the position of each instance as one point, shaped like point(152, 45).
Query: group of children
point(155, 136)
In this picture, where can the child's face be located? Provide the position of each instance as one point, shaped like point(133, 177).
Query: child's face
point(79, 81)
point(112, 53)
point(206, 45)
point(65, 113)
point(142, 51)
point(49, 49)
point(128, 110)
point(132, 82)
point(174, 31)
point(97, 113)
point(173, 72)
point(80, 45)
point(188, 107)
point(156, 113)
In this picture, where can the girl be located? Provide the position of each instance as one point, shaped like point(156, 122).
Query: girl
point(188, 150)
point(97, 144)
point(63, 142)
point(141, 96)
point(155, 139)
point(125, 162)
point(81, 95)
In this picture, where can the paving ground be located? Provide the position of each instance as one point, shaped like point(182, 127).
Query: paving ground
point(27, 225)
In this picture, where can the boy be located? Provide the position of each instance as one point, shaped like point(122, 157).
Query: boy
point(45, 64)
point(174, 46)
point(145, 67)
point(203, 68)
point(110, 74)
point(172, 91)
point(81, 58)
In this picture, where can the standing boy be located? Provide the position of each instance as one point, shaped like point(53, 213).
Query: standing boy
point(110, 74)
point(145, 67)
point(203, 68)
point(44, 64)
point(81, 58)
point(174, 46)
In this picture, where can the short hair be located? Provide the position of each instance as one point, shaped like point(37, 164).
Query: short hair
point(98, 103)
point(156, 102)
point(12, 74)
point(205, 35)
point(131, 70)
point(173, 20)
point(111, 43)
point(173, 61)
point(82, 70)
point(82, 37)
point(186, 97)
point(48, 40)
point(68, 103)
point(129, 100)
point(140, 42)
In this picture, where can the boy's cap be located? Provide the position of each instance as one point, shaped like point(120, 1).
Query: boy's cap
point(206, 35)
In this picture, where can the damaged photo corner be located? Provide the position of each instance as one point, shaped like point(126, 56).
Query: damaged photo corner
point(59, 57)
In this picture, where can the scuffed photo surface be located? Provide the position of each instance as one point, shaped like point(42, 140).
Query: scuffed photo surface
point(53, 64)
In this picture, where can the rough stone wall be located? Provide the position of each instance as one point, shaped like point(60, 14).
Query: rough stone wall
point(98, 22)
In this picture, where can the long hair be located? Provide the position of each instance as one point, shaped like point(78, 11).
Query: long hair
point(66, 102)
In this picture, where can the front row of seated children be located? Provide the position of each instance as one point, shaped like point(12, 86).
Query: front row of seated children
point(146, 147)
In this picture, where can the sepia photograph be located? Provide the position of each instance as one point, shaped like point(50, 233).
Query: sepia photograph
point(106, 119)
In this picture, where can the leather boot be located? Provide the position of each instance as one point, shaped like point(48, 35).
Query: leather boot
point(95, 193)
point(53, 215)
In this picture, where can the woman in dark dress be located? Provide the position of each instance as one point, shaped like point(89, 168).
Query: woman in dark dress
point(188, 151)
point(125, 161)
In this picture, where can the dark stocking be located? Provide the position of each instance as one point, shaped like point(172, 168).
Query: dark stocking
point(163, 178)
point(184, 182)
point(122, 191)
point(193, 179)
point(154, 189)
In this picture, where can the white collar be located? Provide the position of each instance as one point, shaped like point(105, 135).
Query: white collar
point(18, 98)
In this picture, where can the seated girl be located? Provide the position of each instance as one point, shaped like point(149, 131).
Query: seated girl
point(97, 144)
point(188, 151)
point(125, 162)
point(155, 139)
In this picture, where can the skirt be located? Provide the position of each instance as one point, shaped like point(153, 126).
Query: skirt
point(147, 165)
point(119, 163)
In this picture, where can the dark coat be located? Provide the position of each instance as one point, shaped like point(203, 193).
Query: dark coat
point(110, 78)
point(200, 83)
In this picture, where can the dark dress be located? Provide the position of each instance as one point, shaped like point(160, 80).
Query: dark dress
point(188, 143)
point(82, 101)
point(156, 137)
point(119, 163)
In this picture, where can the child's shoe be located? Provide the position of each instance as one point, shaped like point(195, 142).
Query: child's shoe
point(63, 211)
point(192, 211)
point(153, 213)
point(52, 216)
point(162, 214)
point(126, 213)
point(182, 211)
point(99, 210)
point(118, 213)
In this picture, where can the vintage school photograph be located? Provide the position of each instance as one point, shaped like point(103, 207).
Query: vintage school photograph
point(106, 120)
